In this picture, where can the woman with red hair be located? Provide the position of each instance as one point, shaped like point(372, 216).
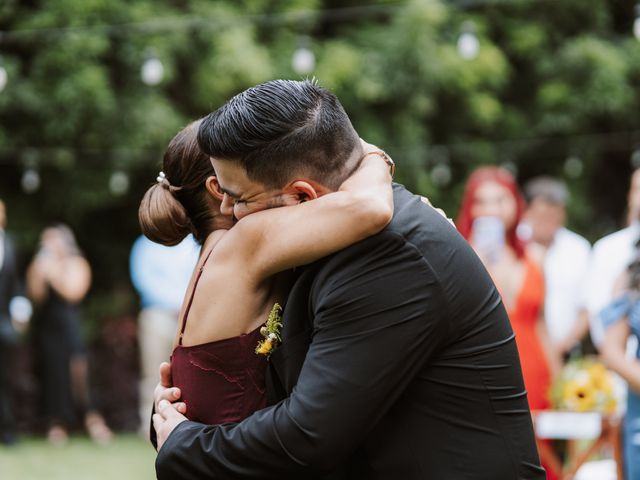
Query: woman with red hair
point(492, 208)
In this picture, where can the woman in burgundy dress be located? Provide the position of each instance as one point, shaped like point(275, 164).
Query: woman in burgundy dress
point(236, 281)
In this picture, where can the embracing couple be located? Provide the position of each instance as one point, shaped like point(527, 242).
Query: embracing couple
point(392, 356)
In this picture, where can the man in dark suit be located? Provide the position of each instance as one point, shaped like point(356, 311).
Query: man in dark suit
point(397, 358)
point(9, 290)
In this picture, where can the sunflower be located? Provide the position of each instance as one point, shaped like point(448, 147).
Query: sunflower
point(584, 385)
point(579, 396)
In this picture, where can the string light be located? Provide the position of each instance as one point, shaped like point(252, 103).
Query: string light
point(303, 61)
point(441, 175)
point(119, 183)
point(573, 167)
point(468, 43)
point(30, 180)
point(152, 71)
point(3, 76)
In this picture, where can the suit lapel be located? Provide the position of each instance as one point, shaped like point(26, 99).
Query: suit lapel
point(297, 329)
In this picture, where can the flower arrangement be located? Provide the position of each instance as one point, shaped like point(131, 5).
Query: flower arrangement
point(271, 331)
point(584, 385)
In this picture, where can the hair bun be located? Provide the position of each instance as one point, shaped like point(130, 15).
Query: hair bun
point(162, 217)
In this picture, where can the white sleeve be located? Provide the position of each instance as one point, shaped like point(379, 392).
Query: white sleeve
point(597, 294)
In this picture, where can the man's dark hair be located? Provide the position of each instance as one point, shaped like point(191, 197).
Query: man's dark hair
point(280, 129)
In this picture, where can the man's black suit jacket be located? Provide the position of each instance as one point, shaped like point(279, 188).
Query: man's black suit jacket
point(397, 362)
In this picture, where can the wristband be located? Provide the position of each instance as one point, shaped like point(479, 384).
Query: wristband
point(385, 157)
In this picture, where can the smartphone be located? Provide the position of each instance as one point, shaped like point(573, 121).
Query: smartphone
point(488, 237)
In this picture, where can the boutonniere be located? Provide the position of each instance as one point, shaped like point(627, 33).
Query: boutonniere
point(271, 331)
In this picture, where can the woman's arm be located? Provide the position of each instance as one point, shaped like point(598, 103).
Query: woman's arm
point(36, 281)
point(576, 334)
point(274, 240)
point(72, 280)
point(613, 354)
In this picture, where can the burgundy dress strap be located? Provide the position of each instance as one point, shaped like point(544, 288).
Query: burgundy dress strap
point(193, 292)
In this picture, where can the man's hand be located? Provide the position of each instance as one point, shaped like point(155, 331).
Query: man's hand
point(166, 420)
point(164, 390)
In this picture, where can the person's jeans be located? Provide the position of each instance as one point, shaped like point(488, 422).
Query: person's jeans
point(632, 437)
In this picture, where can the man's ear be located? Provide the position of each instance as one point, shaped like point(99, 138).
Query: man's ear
point(302, 190)
point(213, 187)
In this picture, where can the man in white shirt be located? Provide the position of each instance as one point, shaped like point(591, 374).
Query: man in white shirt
point(611, 256)
point(564, 256)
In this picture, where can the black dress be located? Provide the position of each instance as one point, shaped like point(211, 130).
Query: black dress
point(57, 339)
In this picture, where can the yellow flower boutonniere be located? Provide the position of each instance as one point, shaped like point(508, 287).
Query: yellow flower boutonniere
point(271, 331)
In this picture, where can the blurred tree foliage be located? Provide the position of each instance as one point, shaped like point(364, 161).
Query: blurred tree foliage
point(553, 90)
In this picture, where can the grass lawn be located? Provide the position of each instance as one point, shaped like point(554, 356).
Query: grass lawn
point(127, 457)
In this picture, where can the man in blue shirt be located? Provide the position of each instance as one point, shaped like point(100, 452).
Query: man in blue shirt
point(160, 275)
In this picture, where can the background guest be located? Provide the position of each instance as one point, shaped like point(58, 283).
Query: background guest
point(611, 255)
point(621, 319)
point(160, 274)
point(58, 280)
point(564, 257)
point(10, 317)
point(492, 208)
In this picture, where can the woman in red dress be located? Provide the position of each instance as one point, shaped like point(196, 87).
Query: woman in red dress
point(491, 210)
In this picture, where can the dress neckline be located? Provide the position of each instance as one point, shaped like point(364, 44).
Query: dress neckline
point(220, 341)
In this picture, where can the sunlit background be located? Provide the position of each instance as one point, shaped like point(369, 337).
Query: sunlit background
point(91, 91)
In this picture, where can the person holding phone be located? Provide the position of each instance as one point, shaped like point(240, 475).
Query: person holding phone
point(58, 280)
point(492, 208)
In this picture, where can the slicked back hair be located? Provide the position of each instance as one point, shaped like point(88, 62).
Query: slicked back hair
point(281, 129)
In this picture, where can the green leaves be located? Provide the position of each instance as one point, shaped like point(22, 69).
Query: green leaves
point(543, 70)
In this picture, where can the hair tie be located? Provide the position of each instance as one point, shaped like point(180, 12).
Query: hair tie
point(162, 180)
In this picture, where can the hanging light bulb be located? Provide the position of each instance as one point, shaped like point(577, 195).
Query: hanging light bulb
point(573, 167)
point(119, 183)
point(3, 77)
point(468, 43)
point(303, 61)
point(441, 175)
point(152, 71)
point(30, 180)
point(636, 23)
